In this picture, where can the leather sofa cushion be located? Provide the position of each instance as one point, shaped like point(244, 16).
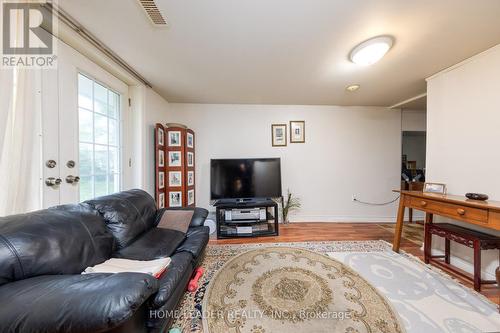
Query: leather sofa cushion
point(73, 303)
point(196, 241)
point(60, 240)
point(179, 267)
point(153, 244)
point(127, 214)
point(198, 219)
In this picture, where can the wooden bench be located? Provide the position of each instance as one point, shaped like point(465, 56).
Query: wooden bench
point(470, 238)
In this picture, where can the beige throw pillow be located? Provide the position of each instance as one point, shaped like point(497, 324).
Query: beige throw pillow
point(176, 220)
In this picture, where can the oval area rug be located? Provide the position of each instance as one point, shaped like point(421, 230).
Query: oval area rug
point(282, 289)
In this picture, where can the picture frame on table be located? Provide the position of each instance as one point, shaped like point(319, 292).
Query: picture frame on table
point(190, 140)
point(297, 131)
point(175, 199)
point(190, 178)
point(437, 188)
point(174, 159)
point(174, 178)
point(278, 135)
point(174, 139)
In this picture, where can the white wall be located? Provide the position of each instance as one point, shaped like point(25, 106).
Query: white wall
point(413, 120)
point(463, 137)
point(348, 150)
point(156, 111)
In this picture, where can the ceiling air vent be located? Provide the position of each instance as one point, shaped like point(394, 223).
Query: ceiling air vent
point(153, 12)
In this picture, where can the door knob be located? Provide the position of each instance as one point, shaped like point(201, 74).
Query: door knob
point(72, 179)
point(51, 181)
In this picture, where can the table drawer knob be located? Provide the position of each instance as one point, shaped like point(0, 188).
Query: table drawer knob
point(461, 211)
point(423, 203)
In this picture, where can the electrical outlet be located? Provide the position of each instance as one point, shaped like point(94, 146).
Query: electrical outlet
point(353, 197)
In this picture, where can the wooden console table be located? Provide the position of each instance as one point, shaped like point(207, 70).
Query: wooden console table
point(483, 213)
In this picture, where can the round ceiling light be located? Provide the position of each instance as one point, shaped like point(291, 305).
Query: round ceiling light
point(371, 50)
point(353, 87)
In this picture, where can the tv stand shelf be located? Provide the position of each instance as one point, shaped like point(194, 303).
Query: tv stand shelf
point(238, 226)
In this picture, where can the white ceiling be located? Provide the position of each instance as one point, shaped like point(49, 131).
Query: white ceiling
point(290, 51)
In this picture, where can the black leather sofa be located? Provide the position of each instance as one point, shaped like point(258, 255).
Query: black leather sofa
point(43, 253)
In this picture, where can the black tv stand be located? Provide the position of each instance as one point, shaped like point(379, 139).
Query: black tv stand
point(251, 218)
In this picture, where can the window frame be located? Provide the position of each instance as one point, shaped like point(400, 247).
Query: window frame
point(120, 127)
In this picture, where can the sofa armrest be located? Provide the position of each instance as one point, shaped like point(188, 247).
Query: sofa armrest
point(73, 303)
point(198, 219)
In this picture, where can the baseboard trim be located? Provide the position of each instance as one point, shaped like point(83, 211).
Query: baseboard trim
point(341, 219)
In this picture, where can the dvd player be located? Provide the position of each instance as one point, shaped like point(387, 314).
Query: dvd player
point(245, 214)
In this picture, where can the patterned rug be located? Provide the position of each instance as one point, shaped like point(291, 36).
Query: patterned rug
point(189, 313)
point(404, 280)
point(288, 289)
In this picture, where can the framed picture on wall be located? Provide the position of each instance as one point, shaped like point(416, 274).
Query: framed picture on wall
point(174, 158)
point(297, 131)
point(278, 135)
point(161, 179)
point(161, 200)
point(175, 199)
point(190, 140)
point(161, 158)
point(174, 139)
point(190, 159)
point(190, 178)
point(190, 197)
point(161, 137)
point(174, 179)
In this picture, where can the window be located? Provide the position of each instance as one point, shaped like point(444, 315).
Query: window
point(99, 139)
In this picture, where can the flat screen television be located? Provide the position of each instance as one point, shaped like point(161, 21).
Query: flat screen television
point(245, 178)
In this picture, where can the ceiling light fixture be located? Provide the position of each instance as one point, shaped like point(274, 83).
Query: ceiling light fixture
point(352, 87)
point(371, 50)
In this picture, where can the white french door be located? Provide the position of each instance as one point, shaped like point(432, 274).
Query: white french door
point(82, 122)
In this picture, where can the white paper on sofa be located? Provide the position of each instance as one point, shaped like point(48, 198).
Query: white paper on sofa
point(115, 265)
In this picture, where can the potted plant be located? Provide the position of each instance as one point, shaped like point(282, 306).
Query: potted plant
point(290, 203)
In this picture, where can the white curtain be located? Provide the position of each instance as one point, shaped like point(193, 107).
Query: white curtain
point(20, 141)
point(20, 135)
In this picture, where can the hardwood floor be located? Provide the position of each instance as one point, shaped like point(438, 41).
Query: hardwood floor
point(301, 232)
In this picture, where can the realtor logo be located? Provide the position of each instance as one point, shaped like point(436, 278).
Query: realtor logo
point(27, 34)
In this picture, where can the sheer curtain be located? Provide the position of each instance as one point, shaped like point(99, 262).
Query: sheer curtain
point(20, 134)
point(20, 141)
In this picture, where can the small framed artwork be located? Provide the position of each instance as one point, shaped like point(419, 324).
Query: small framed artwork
point(174, 158)
point(297, 131)
point(175, 199)
point(161, 179)
point(174, 179)
point(190, 197)
point(437, 188)
point(174, 139)
point(161, 137)
point(161, 200)
point(190, 159)
point(190, 179)
point(278, 132)
point(190, 140)
point(161, 158)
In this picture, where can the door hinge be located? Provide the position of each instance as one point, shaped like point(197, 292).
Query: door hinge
point(129, 162)
point(129, 102)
